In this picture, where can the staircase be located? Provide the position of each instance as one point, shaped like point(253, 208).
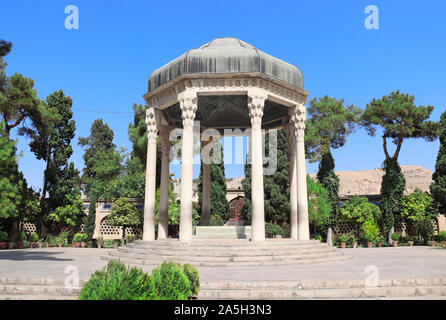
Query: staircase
point(16, 288)
point(227, 252)
point(223, 232)
point(407, 289)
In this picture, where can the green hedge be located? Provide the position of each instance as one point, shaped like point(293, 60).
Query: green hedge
point(170, 281)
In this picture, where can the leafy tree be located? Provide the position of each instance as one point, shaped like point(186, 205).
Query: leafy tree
point(357, 210)
point(103, 167)
point(418, 208)
point(438, 186)
point(328, 127)
point(124, 214)
point(131, 184)
point(61, 179)
point(400, 119)
point(318, 204)
point(219, 204)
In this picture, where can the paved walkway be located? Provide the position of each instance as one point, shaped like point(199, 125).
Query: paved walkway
point(392, 263)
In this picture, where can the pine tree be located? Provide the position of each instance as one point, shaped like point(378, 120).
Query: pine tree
point(61, 179)
point(400, 119)
point(219, 204)
point(438, 186)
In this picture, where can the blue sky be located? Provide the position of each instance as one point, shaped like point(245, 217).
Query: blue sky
point(105, 64)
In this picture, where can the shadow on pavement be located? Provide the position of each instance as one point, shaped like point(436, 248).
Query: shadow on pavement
point(27, 255)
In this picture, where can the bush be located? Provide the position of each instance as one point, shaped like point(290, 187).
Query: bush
point(109, 243)
point(442, 236)
point(216, 220)
point(33, 237)
point(77, 237)
point(21, 236)
point(272, 230)
point(170, 283)
point(84, 237)
point(194, 278)
point(129, 238)
point(318, 237)
point(344, 238)
point(394, 236)
point(3, 236)
point(370, 230)
point(116, 282)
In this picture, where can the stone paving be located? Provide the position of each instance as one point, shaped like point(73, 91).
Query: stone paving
point(392, 263)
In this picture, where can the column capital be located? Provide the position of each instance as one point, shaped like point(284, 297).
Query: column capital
point(188, 104)
point(297, 121)
point(152, 124)
point(256, 102)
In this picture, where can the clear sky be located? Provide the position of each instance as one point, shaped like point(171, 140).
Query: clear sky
point(105, 64)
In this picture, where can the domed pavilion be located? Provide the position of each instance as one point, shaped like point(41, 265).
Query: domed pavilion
point(224, 84)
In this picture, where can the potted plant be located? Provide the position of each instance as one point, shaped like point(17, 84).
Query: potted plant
point(62, 237)
point(380, 240)
point(21, 236)
point(84, 238)
point(442, 237)
point(343, 240)
point(77, 240)
point(370, 231)
point(11, 244)
point(3, 239)
point(47, 241)
point(33, 238)
point(395, 237)
point(100, 242)
point(411, 241)
point(354, 241)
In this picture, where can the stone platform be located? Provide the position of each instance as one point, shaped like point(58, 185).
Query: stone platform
point(227, 252)
point(222, 232)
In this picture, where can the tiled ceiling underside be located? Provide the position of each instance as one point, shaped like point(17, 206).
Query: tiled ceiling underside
point(228, 112)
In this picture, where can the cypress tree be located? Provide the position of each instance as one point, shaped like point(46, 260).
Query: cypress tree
point(219, 204)
point(438, 186)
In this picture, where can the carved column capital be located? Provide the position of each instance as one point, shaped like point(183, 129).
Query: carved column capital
point(152, 124)
point(256, 102)
point(188, 105)
point(297, 121)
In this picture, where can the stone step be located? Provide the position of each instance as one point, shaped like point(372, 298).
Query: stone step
point(238, 258)
point(318, 284)
point(350, 293)
point(227, 252)
point(240, 245)
point(37, 297)
point(156, 262)
point(28, 289)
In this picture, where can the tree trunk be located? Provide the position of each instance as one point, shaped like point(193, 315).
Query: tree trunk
point(123, 236)
point(385, 147)
point(392, 230)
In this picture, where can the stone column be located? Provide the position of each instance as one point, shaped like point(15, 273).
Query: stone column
point(163, 224)
point(298, 120)
point(256, 102)
point(293, 179)
point(188, 105)
point(149, 198)
point(206, 194)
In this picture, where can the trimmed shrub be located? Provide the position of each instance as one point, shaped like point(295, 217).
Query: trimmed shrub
point(272, 230)
point(117, 282)
point(318, 237)
point(394, 236)
point(216, 220)
point(170, 283)
point(3, 236)
point(77, 237)
point(442, 235)
point(194, 278)
point(33, 237)
point(370, 230)
point(344, 238)
point(21, 236)
point(130, 238)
